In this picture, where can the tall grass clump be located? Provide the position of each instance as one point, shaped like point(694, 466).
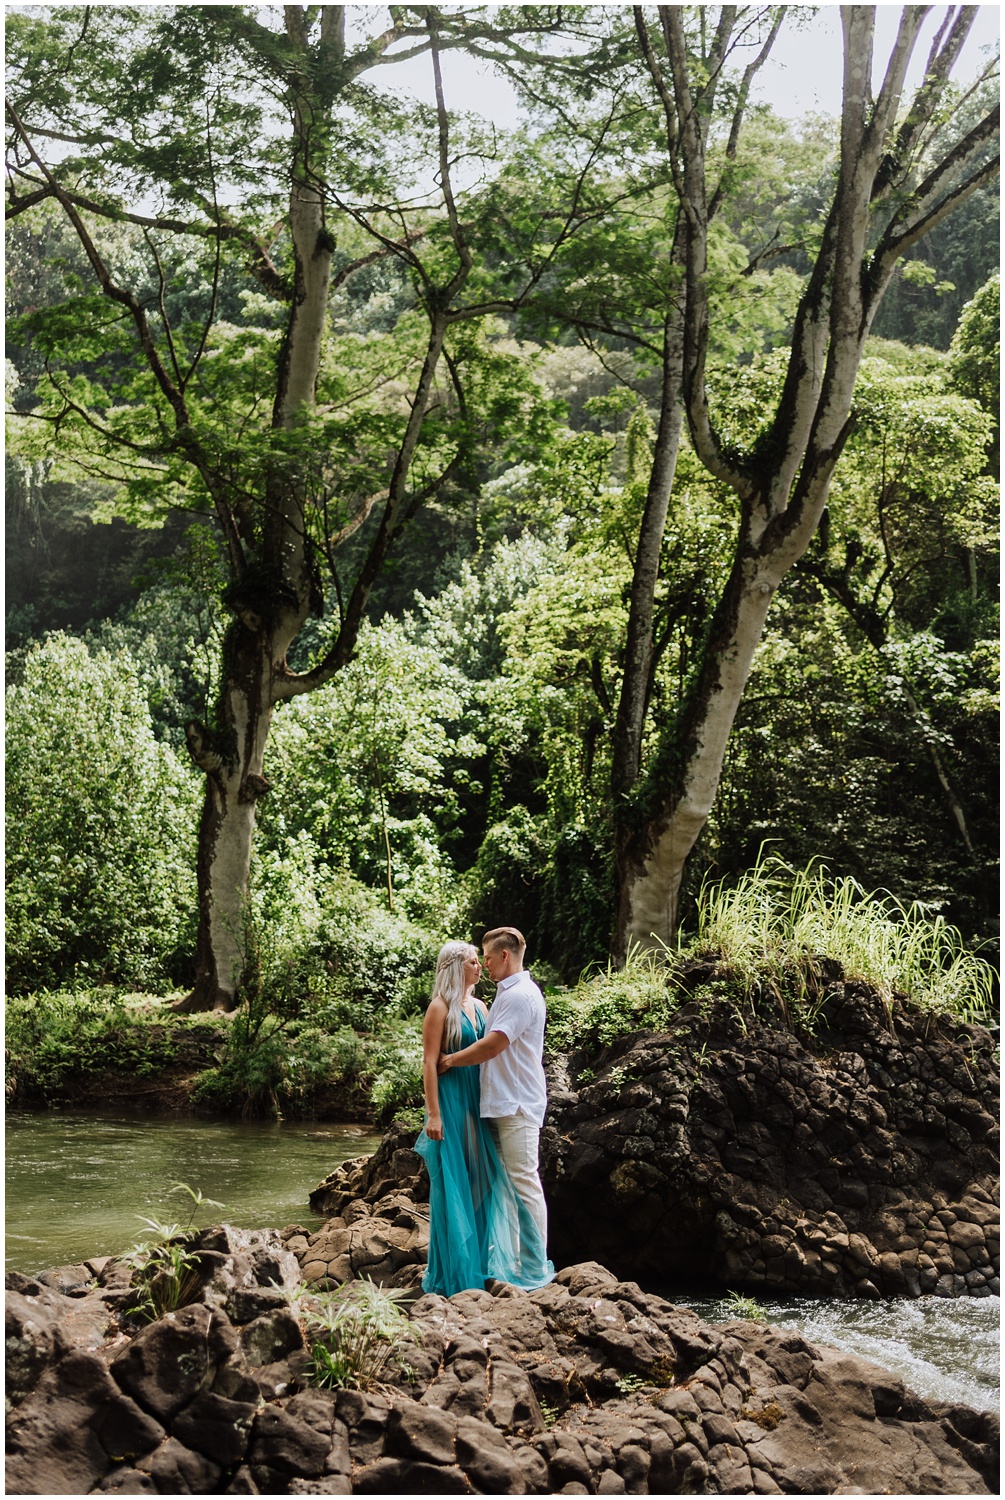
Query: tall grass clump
point(167, 1274)
point(777, 922)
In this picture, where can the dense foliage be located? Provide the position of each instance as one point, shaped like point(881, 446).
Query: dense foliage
point(456, 773)
point(314, 1038)
point(457, 769)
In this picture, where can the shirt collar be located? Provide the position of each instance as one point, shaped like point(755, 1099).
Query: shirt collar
point(510, 980)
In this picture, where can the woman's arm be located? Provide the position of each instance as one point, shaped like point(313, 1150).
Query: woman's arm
point(432, 1039)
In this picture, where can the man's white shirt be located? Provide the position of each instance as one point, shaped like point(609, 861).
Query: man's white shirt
point(514, 1082)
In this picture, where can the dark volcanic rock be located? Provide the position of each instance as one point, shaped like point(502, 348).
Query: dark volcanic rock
point(378, 1219)
point(864, 1166)
point(589, 1385)
point(393, 1169)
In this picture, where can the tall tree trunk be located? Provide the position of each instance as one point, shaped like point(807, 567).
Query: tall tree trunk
point(783, 486)
point(636, 681)
point(232, 758)
point(277, 591)
point(657, 847)
point(271, 601)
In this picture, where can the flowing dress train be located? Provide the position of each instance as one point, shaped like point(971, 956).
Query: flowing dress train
point(478, 1226)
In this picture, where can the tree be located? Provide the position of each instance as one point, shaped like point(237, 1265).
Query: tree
point(292, 183)
point(889, 191)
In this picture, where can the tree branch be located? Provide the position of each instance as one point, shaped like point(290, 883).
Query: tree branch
point(174, 397)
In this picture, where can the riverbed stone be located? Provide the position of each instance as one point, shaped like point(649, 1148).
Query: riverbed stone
point(173, 1358)
point(270, 1337)
point(731, 1408)
point(33, 1336)
point(284, 1446)
point(73, 1428)
point(216, 1427)
point(178, 1470)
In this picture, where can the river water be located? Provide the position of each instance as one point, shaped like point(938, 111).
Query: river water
point(78, 1184)
point(945, 1349)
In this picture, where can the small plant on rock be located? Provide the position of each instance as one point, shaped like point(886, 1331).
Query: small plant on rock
point(167, 1275)
point(629, 1384)
point(353, 1334)
point(746, 1308)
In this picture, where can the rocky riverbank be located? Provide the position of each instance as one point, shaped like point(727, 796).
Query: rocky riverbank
point(865, 1165)
point(589, 1386)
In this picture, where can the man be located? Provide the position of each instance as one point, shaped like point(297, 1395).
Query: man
point(513, 1090)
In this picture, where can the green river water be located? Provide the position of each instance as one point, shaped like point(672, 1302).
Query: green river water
point(77, 1184)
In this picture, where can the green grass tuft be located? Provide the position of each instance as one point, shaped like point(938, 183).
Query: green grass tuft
point(776, 924)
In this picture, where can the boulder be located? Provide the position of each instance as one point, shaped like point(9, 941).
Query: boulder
point(392, 1169)
point(861, 1162)
point(73, 1428)
point(171, 1359)
point(377, 1228)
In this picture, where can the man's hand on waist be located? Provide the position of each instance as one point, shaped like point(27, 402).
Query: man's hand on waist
point(479, 1052)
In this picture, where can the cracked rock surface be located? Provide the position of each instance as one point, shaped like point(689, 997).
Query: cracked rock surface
point(587, 1386)
point(863, 1165)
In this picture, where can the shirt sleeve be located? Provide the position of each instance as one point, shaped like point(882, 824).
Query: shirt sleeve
point(511, 1014)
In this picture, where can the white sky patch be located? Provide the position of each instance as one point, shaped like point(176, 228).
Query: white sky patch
point(802, 76)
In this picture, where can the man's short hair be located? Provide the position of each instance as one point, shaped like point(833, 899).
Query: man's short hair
point(505, 937)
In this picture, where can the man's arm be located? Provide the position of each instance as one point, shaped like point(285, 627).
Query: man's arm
point(479, 1052)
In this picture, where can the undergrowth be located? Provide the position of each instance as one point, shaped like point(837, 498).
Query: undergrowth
point(353, 1334)
point(54, 1038)
point(781, 933)
point(312, 1037)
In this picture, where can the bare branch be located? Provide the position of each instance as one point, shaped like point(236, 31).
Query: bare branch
point(168, 333)
point(262, 266)
point(19, 205)
point(942, 58)
point(335, 540)
point(891, 249)
point(743, 95)
point(456, 233)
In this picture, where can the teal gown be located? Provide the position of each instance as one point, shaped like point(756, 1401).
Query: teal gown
point(478, 1227)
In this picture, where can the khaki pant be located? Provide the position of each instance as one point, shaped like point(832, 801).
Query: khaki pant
point(518, 1146)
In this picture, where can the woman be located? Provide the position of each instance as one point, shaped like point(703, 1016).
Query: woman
point(478, 1228)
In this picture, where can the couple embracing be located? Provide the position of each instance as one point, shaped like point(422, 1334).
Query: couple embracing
point(485, 1104)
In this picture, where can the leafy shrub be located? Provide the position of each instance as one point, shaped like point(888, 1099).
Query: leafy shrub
point(639, 997)
point(167, 1274)
point(101, 822)
point(579, 897)
point(748, 1309)
point(53, 1037)
point(397, 1070)
point(507, 879)
point(379, 961)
